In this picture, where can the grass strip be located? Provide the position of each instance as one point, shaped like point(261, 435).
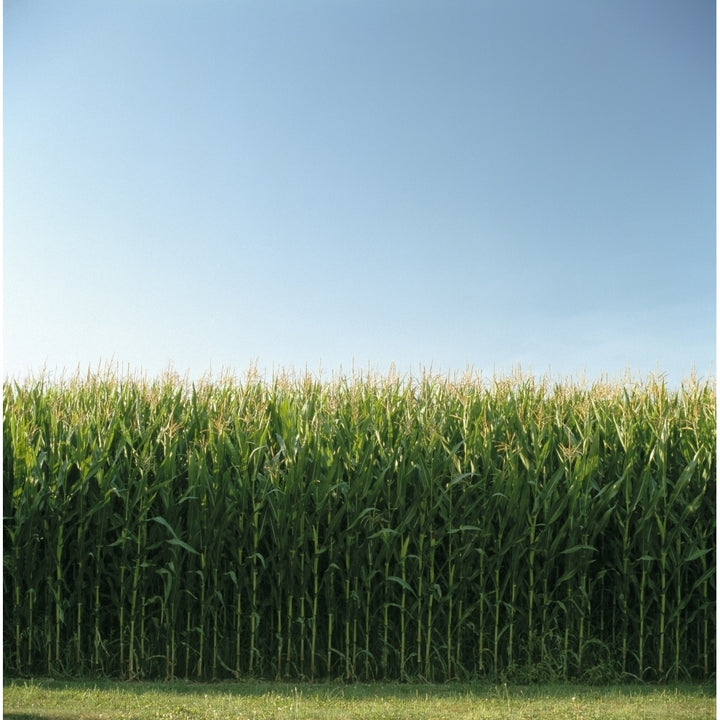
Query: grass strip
point(87, 700)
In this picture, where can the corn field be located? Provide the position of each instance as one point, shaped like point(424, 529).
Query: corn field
point(360, 528)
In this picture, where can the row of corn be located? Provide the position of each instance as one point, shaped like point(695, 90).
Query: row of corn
point(359, 528)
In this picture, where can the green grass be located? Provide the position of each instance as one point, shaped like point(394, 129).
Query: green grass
point(51, 699)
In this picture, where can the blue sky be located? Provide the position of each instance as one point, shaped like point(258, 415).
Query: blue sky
point(358, 183)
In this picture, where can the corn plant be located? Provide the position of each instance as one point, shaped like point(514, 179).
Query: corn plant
point(360, 528)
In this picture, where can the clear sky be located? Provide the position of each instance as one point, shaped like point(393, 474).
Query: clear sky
point(330, 184)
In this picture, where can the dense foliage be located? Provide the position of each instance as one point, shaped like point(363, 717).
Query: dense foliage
point(359, 528)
